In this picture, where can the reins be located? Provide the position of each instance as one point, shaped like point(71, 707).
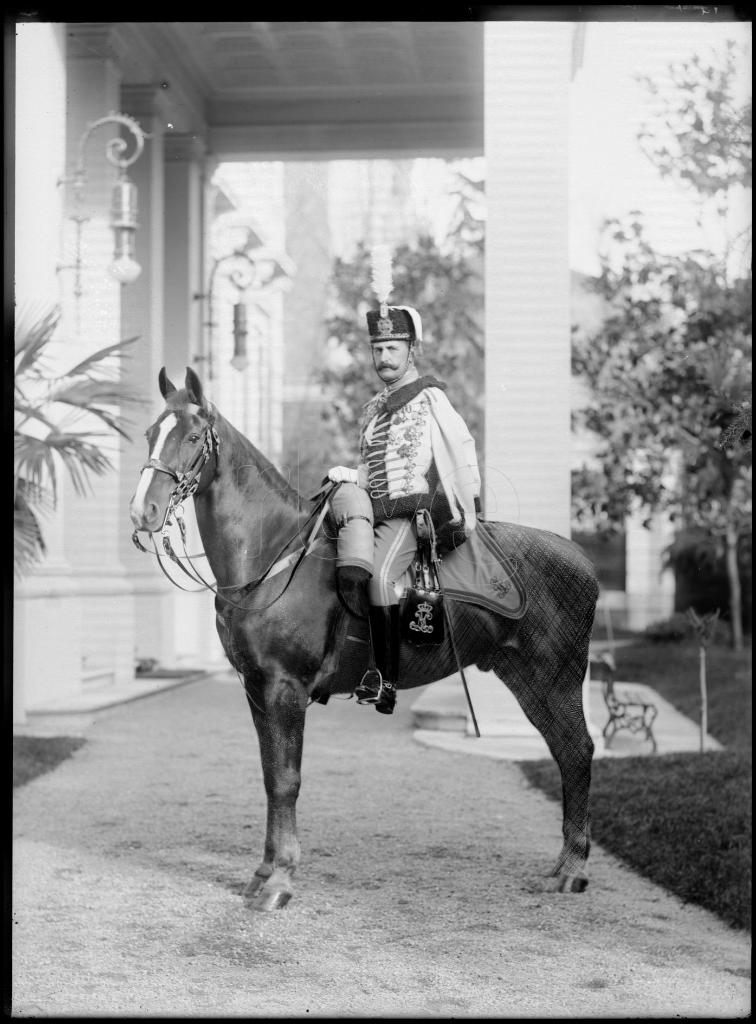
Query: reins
point(187, 486)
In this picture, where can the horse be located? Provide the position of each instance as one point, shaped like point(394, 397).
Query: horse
point(283, 633)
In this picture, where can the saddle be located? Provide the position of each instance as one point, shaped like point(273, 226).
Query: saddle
point(478, 572)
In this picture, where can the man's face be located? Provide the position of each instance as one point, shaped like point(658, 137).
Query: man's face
point(390, 359)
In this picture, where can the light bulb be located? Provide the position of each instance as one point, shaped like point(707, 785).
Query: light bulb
point(239, 363)
point(125, 270)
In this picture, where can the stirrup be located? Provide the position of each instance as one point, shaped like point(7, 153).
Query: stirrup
point(370, 688)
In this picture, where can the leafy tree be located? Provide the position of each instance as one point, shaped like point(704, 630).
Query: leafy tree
point(704, 138)
point(670, 368)
point(444, 282)
point(50, 431)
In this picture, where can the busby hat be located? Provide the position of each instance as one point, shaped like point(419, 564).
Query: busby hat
point(390, 323)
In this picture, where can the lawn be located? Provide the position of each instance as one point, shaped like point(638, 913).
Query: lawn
point(35, 755)
point(683, 820)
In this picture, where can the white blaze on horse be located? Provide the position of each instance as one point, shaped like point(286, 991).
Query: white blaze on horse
point(284, 628)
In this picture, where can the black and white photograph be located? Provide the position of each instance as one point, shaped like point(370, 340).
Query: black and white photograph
point(379, 624)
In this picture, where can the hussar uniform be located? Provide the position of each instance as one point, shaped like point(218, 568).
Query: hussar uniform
point(415, 453)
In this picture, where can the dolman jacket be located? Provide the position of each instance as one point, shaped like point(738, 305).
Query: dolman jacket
point(416, 452)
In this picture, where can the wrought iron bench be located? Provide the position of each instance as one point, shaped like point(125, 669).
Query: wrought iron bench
point(628, 709)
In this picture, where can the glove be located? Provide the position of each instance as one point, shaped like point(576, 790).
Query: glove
point(342, 475)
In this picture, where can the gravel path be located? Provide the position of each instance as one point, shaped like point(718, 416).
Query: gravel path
point(420, 891)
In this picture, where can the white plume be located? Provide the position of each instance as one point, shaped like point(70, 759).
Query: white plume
point(382, 276)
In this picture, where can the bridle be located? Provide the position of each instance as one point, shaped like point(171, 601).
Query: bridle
point(189, 483)
point(188, 480)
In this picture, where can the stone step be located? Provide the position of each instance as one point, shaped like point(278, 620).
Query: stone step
point(441, 707)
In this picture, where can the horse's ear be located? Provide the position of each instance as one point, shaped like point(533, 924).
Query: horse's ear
point(193, 387)
point(166, 388)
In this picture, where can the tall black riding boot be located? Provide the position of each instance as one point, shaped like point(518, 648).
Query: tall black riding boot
point(387, 700)
point(379, 687)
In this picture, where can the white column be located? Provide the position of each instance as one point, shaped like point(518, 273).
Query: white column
point(527, 448)
point(527, 430)
point(46, 620)
point(183, 249)
point(92, 322)
point(195, 637)
point(153, 599)
point(649, 590)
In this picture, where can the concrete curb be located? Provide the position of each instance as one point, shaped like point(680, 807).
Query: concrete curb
point(74, 713)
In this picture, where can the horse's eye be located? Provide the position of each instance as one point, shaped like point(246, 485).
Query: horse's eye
point(193, 438)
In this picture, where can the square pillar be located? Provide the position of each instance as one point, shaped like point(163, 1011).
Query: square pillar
point(196, 641)
point(649, 589)
point(527, 433)
point(526, 464)
point(143, 318)
point(92, 321)
point(45, 603)
point(184, 172)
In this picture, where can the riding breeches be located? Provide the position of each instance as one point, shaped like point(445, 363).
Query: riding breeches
point(395, 546)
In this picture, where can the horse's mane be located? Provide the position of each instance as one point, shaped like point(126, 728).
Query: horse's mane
point(270, 474)
point(273, 476)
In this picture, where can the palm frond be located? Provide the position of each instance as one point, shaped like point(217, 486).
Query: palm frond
point(29, 544)
point(35, 460)
point(34, 463)
point(85, 391)
point(92, 396)
point(31, 340)
point(97, 357)
point(31, 412)
point(90, 388)
point(114, 420)
point(36, 497)
point(80, 457)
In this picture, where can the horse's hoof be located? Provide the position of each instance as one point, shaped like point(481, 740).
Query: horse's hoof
point(571, 883)
point(254, 885)
point(270, 900)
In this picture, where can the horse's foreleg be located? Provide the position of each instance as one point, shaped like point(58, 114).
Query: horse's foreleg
point(279, 716)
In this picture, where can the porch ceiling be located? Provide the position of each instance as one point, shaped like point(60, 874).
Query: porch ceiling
point(303, 89)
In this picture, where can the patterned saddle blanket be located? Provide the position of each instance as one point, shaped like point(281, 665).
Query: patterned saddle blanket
point(477, 572)
point(480, 572)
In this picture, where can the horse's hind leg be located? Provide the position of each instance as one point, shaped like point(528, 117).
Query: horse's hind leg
point(558, 715)
point(571, 744)
point(279, 721)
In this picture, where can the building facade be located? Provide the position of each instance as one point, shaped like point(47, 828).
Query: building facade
point(211, 93)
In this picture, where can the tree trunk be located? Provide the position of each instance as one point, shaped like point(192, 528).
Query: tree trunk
point(733, 577)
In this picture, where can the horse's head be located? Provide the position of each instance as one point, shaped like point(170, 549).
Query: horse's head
point(182, 445)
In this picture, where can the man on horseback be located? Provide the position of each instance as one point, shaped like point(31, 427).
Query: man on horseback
point(415, 453)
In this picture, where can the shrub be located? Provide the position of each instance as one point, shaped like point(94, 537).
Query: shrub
point(669, 631)
point(678, 627)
